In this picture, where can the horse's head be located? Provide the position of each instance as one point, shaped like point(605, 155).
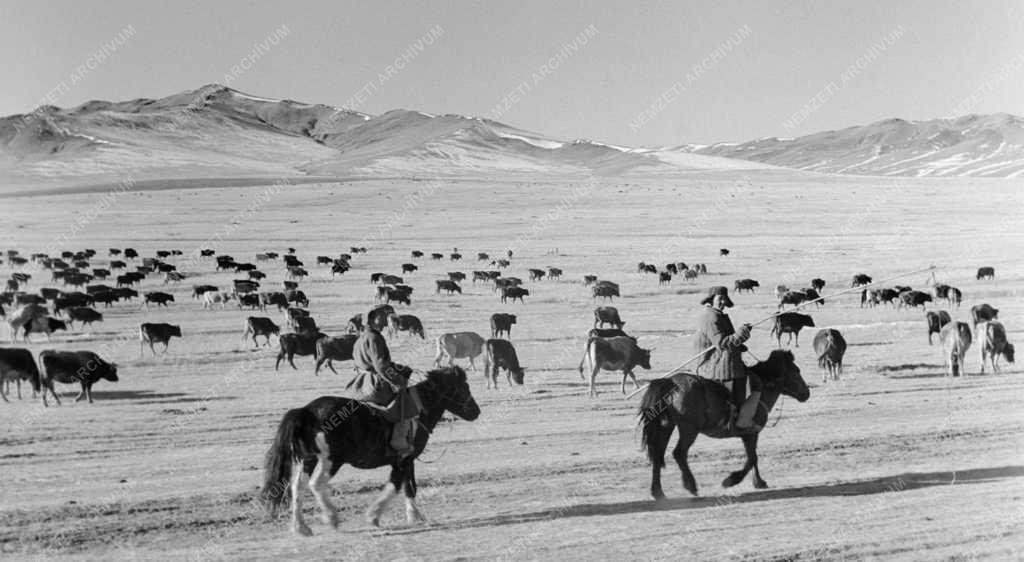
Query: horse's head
point(781, 371)
point(452, 386)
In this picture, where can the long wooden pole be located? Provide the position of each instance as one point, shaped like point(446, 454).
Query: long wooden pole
point(773, 315)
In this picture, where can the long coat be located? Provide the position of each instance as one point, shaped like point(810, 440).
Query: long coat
point(378, 379)
point(725, 362)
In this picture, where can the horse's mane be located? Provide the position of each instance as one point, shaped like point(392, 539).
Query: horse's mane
point(774, 366)
point(436, 376)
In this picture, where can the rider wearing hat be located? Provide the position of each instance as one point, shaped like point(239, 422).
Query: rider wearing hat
point(383, 382)
point(724, 363)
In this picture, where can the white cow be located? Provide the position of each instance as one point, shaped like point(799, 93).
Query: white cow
point(211, 298)
point(956, 340)
point(459, 345)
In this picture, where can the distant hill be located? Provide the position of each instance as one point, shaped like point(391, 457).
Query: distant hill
point(974, 145)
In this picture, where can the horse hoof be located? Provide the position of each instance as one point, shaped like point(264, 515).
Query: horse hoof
point(373, 520)
point(302, 530)
point(731, 480)
point(761, 485)
point(331, 520)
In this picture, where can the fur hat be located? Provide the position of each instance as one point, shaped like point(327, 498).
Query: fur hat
point(717, 290)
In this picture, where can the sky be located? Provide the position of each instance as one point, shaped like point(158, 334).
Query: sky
point(628, 73)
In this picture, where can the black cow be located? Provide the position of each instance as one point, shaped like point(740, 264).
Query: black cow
point(447, 286)
point(304, 325)
point(50, 294)
point(198, 290)
point(391, 280)
point(276, 298)
point(99, 273)
point(605, 291)
point(408, 268)
point(792, 297)
point(482, 256)
point(339, 269)
point(301, 344)
point(514, 293)
point(417, 254)
point(914, 299)
point(158, 298)
point(69, 367)
point(501, 354)
point(986, 273)
point(260, 326)
point(790, 323)
point(456, 256)
point(745, 285)
point(331, 349)
point(84, 315)
point(607, 315)
point(324, 260)
point(296, 296)
point(589, 279)
point(117, 264)
point(256, 275)
point(935, 321)
point(502, 323)
point(860, 279)
point(723, 252)
point(126, 294)
point(436, 256)
point(456, 276)
point(17, 364)
point(536, 274)
point(68, 300)
point(156, 333)
point(664, 277)
point(405, 323)
point(394, 295)
point(817, 284)
point(251, 300)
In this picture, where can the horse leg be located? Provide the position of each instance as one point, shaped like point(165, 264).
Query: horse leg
point(3, 390)
point(656, 450)
point(318, 482)
point(750, 444)
point(299, 477)
point(412, 511)
point(686, 438)
point(390, 489)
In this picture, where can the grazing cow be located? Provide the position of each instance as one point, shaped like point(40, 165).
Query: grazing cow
point(117, 264)
point(607, 333)
point(723, 252)
point(589, 280)
point(955, 338)
point(69, 367)
point(607, 315)
point(746, 285)
point(914, 299)
point(275, 298)
point(935, 321)
point(391, 280)
point(251, 300)
point(459, 345)
point(173, 277)
point(501, 354)
point(482, 256)
point(17, 364)
point(884, 296)
point(982, 313)
point(502, 323)
point(664, 277)
point(296, 296)
point(986, 273)
point(301, 344)
point(456, 256)
point(455, 276)
point(417, 254)
point(339, 269)
point(993, 344)
point(199, 290)
point(536, 274)
point(514, 293)
point(860, 279)
point(408, 268)
point(790, 323)
point(605, 290)
point(260, 326)
point(830, 347)
point(84, 315)
point(792, 297)
point(26, 315)
point(331, 349)
point(157, 333)
point(614, 354)
point(817, 284)
point(157, 297)
point(211, 298)
point(405, 323)
point(447, 286)
point(394, 295)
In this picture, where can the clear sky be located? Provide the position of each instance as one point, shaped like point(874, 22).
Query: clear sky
point(627, 83)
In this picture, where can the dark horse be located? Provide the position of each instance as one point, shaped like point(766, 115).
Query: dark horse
point(313, 442)
point(698, 405)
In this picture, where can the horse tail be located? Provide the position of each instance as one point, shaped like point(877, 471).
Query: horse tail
point(654, 419)
point(293, 443)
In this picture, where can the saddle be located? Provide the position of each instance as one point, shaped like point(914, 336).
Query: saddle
point(404, 406)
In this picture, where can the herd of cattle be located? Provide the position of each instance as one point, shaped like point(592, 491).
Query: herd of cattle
point(608, 346)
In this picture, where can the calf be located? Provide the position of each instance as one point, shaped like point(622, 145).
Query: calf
point(790, 323)
point(746, 285)
point(986, 273)
point(955, 338)
point(501, 354)
point(993, 344)
point(502, 323)
point(156, 333)
point(260, 326)
point(514, 293)
point(614, 354)
point(459, 345)
point(607, 315)
point(405, 323)
point(69, 367)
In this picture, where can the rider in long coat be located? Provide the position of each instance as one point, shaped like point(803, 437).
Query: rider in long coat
point(724, 363)
point(381, 381)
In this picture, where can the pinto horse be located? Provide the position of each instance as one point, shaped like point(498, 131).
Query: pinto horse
point(698, 405)
point(314, 441)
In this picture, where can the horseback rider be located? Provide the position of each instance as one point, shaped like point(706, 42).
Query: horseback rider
point(724, 363)
point(384, 382)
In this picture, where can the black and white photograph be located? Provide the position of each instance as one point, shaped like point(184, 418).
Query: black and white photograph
point(477, 280)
